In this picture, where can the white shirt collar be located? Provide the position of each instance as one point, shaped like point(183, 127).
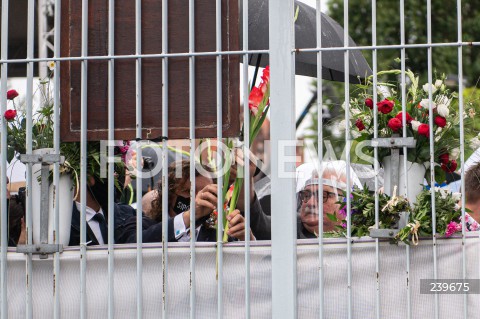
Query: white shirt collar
point(89, 211)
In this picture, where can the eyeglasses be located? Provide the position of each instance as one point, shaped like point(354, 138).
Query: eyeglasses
point(306, 195)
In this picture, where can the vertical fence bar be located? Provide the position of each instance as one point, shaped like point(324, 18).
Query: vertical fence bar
point(432, 149)
point(138, 105)
point(111, 166)
point(191, 105)
point(83, 162)
point(282, 93)
point(320, 156)
point(405, 150)
point(246, 151)
point(218, 30)
point(462, 148)
point(347, 153)
point(28, 199)
point(375, 155)
point(56, 166)
point(164, 158)
point(3, 162)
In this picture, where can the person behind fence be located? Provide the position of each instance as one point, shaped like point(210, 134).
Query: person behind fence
point(334, 185)
point(179, 210)
point(472, 191)
point(333, 179)
point(97, 214)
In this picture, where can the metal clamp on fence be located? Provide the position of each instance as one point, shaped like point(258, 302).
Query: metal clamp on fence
point(44, 248)
point(394, 143)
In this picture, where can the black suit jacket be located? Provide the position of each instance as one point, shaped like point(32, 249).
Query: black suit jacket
point(121, 214)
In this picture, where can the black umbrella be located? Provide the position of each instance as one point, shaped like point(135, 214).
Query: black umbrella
point(305, 37)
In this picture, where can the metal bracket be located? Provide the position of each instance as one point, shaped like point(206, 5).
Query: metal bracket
point(390, 232)
point(44, 248)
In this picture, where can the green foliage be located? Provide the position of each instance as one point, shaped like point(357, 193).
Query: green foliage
point(363, 211)
point(446, 209)
point(444, 29)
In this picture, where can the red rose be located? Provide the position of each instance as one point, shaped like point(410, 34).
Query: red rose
point(11, 94)
point(385, 106)
point(10, 115)
point(424, 130)
point(440, 121)
point(369, 103)
point(450, 167)
point(409, 118)
point(360, 125)
point(444, 158)
point(395, 124)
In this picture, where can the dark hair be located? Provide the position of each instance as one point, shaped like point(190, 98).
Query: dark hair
point(472, 184)
point(16, 211)
point(174, 184)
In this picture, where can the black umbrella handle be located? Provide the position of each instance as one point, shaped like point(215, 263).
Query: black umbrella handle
point(257, 65)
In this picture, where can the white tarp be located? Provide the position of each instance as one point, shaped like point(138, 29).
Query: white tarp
point(392, 276)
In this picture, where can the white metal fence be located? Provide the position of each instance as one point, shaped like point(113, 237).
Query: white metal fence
point(155, 276)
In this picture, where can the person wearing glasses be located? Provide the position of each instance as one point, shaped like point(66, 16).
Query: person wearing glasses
point(308, 187)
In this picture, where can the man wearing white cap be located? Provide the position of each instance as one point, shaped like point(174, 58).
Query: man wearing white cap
point(334, 180)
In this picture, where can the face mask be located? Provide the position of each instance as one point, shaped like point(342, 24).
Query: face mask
point(181, 205)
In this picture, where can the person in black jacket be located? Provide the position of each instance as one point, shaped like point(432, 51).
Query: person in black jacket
point(179, 210)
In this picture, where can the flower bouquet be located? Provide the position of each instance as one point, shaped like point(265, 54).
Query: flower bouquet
point(259, 104)
point(390, 119)
point(448, 217)
point(362, 205)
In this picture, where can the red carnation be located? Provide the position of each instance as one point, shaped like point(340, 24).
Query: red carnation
point(10, 115)
point(395, 124)
point(450, 167)
point(400, 116)
point(440, 121)
point(11, 94)
point(360, 125)
point(385, 106)
point(424, 130)
point(444, 158)
point(369, 103)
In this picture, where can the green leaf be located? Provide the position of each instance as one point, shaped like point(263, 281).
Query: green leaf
point(332, 217)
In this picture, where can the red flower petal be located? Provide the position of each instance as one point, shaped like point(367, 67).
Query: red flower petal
point(11, 94)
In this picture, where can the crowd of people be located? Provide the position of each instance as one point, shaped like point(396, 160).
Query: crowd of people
point(309, 179)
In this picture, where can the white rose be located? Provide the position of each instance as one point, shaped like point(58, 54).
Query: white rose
point(424, 103)
point(427, 86)
point(415, 125)
point(442, 110)
point(354, 111)
point(438, 83)
point(355, 134)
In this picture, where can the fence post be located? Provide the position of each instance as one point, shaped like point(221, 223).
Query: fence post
point(284, 223)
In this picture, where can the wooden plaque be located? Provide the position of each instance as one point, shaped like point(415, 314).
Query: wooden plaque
point(151, 79)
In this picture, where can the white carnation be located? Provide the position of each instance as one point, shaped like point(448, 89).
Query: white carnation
point(438, 83)
point(442, 110)
point(383, 91)
point(456, 196)
point(475, 143)
point(427, 86)
point(454, 153)
point(424, 103)
point(415, 125)
point(442, 99)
